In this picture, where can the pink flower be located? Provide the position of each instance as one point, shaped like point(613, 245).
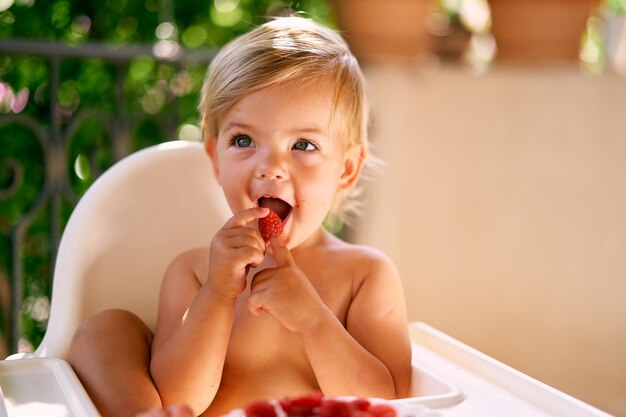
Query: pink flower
point(20, 100)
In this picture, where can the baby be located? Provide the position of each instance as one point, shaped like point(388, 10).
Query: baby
point(284, 123)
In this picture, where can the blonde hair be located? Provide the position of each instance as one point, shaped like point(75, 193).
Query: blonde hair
point(282, 50)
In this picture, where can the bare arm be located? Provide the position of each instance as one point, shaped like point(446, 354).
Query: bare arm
point(373, 357)
point(377, 320)
point(196, 312)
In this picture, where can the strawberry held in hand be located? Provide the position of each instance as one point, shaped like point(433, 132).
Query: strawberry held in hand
point(270, 225)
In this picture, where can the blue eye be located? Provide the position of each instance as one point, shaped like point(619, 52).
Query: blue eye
point(243, 141)
point(304, 145)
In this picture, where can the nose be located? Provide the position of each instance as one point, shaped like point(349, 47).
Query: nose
point(271, 167)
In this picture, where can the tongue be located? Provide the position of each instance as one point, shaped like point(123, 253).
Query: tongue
point(277, 205)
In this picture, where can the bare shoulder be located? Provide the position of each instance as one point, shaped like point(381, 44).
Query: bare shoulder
point(366, 261)
point(192, 262)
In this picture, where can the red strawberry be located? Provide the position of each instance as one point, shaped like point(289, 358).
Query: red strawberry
point(270, 225)
point(260, 409)
point(382, 410)
point(361, 404)
point(303, 406)
point(331, 407)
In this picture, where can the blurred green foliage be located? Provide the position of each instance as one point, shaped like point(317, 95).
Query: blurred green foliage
point(159, 100)
point(614, 7)
point(201, 23)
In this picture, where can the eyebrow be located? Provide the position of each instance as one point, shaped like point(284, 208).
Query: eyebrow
point(298, 130)
point(237, 125)
point(311, 129)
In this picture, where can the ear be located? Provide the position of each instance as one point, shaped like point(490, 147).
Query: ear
point(210, 147)
point(352, 166)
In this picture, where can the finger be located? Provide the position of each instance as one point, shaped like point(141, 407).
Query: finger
point(254, 306)
point(281, 253)
point(246, 216)
point(254, 310)
point(243, 237)
point(239, 238)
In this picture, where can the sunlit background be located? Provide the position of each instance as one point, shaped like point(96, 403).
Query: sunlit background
point(82, 84)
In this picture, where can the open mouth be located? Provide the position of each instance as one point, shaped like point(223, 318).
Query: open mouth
point(280, 207)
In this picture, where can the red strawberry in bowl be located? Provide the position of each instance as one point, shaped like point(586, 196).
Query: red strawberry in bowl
point(303, 406)
point(260, 409)
point(316, 405)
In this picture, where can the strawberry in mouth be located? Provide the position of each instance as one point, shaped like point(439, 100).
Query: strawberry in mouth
point(278, 206)
point(272, 224)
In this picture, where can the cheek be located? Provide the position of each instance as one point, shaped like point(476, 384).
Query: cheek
point(321, 190)
point(234, 186)
point(233, 168)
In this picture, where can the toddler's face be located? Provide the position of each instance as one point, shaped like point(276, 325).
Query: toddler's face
point(277, 147)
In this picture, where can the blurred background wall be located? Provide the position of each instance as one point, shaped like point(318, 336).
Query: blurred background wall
point(503, 204)
point(503, 197)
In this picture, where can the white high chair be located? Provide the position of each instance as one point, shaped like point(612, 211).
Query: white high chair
point(120, 238)
point(123, 233)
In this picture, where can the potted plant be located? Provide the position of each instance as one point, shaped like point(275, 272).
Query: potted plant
point(539, 30)
point(390, 29)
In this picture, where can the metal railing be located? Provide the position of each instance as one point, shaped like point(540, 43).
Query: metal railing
point(53, 136)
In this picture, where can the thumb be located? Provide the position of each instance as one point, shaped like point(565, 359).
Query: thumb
point(281, 253)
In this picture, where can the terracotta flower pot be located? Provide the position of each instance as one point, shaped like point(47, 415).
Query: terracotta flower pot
point(383, 29)
point(539, 30)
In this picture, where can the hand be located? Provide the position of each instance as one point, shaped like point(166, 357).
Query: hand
point(284, 292)
point(235, 249)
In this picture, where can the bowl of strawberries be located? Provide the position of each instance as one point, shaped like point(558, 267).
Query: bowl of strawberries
point(317, 405)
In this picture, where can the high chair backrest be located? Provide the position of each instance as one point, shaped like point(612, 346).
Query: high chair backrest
point(125, 230)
